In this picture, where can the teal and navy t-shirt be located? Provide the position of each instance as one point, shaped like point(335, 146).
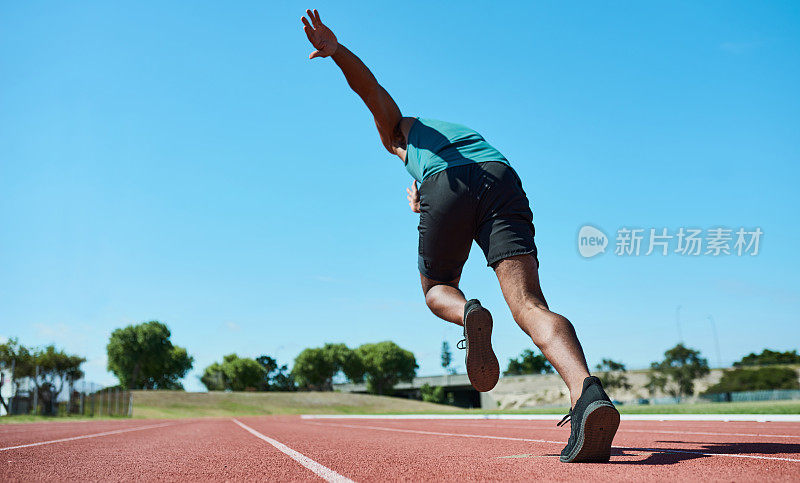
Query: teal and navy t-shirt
point(434, 146)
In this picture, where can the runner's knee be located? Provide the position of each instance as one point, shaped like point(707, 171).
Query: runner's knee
point(435, 291)
point(428, 284)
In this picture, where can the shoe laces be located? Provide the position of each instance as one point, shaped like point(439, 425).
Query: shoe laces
point(565, 419)
point(462, 344)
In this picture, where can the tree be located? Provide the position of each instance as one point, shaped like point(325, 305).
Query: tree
point(235, 374)
point(56, 369)
point(675, 375)
point(315, 368)
point(385, 364)
point(768, 357)
point(17, 359)
point(278, 378)
point(268, 363)
point(143, 357)
point(243, 374)
point(447, 358)
point(613, 375)
point(282, 380)
point(656, 381)
point(528, 362)
point(761, 379)
point(214, 378)
point(12, 353)
point(434, 394)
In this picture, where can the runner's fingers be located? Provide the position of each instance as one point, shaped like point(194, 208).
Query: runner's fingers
point(316, 16)
point(312, 17)
point(309, 33)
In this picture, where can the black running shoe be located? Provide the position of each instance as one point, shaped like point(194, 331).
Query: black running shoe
point(594, 421)
point(482, 367)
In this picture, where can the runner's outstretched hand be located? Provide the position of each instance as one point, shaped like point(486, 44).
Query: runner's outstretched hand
point(413, 197)
point(320, 36)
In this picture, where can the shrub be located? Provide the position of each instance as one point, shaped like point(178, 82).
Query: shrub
point(761, 379)
point(434, 394)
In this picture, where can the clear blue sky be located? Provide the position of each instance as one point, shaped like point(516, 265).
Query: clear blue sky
point(186, 162)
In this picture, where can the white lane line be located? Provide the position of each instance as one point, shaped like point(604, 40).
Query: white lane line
point(664, 431)
point(85, 436)
point(751, 435)
point(547, 417)
point(52, 426)
point(322, 471)
point(437, 433)
point(651, 450)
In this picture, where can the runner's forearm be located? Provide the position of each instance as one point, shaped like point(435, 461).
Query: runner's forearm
point(357, 74)
point(363, 83)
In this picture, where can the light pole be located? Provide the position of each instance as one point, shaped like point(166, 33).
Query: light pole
point(716, 339)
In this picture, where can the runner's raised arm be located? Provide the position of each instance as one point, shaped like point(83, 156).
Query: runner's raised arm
point(385, 111)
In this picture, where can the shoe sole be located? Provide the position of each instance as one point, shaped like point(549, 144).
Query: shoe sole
point(599, 425)
point(482, 367)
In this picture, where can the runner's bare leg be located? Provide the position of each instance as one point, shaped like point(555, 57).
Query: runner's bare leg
point(445, 300)
point(552, 333)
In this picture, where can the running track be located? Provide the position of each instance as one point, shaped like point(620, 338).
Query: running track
point(294, 448)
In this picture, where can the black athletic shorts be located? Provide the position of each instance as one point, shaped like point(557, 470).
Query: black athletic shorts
point(484, 202)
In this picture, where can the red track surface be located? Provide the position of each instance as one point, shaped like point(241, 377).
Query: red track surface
point(364, 450)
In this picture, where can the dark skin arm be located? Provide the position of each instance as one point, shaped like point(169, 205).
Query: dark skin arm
point(383, 108)
point(392, 127)
point(388, 118)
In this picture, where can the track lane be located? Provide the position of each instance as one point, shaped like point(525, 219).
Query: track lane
point(412, 453)
point(27, 433)
point(85, 436)
point(322, 471)
point(187, 450)
point(722, 428)
point(370, 450)
point(784, 446)
point(364, 455)
point(57, 425)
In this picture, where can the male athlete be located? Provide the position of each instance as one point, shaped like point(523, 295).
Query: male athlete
point(469, 191)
